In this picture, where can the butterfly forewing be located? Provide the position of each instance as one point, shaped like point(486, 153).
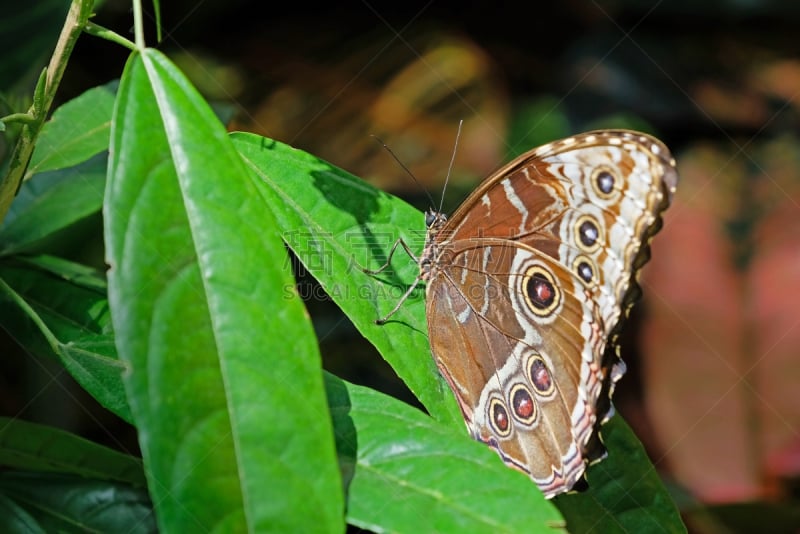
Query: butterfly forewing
point(525, 285)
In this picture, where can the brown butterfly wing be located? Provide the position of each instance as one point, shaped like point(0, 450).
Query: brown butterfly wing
point(528, 281)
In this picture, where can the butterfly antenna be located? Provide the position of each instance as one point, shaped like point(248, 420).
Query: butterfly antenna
point(450, 167)
point(411, 174)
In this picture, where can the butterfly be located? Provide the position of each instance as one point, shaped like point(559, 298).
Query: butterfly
point(526, 286)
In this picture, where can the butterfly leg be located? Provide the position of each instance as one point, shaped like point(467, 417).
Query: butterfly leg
point(389, 259)
point(385, 318)
point(383, 267)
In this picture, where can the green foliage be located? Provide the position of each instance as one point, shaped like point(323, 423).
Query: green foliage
point(192, 248)
point(199, 339)
point(338, 225)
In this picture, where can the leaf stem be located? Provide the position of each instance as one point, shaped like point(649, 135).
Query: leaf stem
point(15, 297)
point(104, 33)
point(25, 118)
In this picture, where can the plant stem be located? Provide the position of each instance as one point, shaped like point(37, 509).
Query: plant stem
point(78, 15)
point(138, 26)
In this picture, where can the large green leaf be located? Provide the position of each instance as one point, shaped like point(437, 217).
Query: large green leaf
point(28, 446)
point(51, 502)
point(225, 380)
point(413, 474)
point(337, 224)
point(56, 308)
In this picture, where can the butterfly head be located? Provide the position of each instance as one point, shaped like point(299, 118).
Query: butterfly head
point(434, 219)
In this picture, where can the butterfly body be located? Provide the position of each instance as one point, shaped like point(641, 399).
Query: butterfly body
point(526, 284)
